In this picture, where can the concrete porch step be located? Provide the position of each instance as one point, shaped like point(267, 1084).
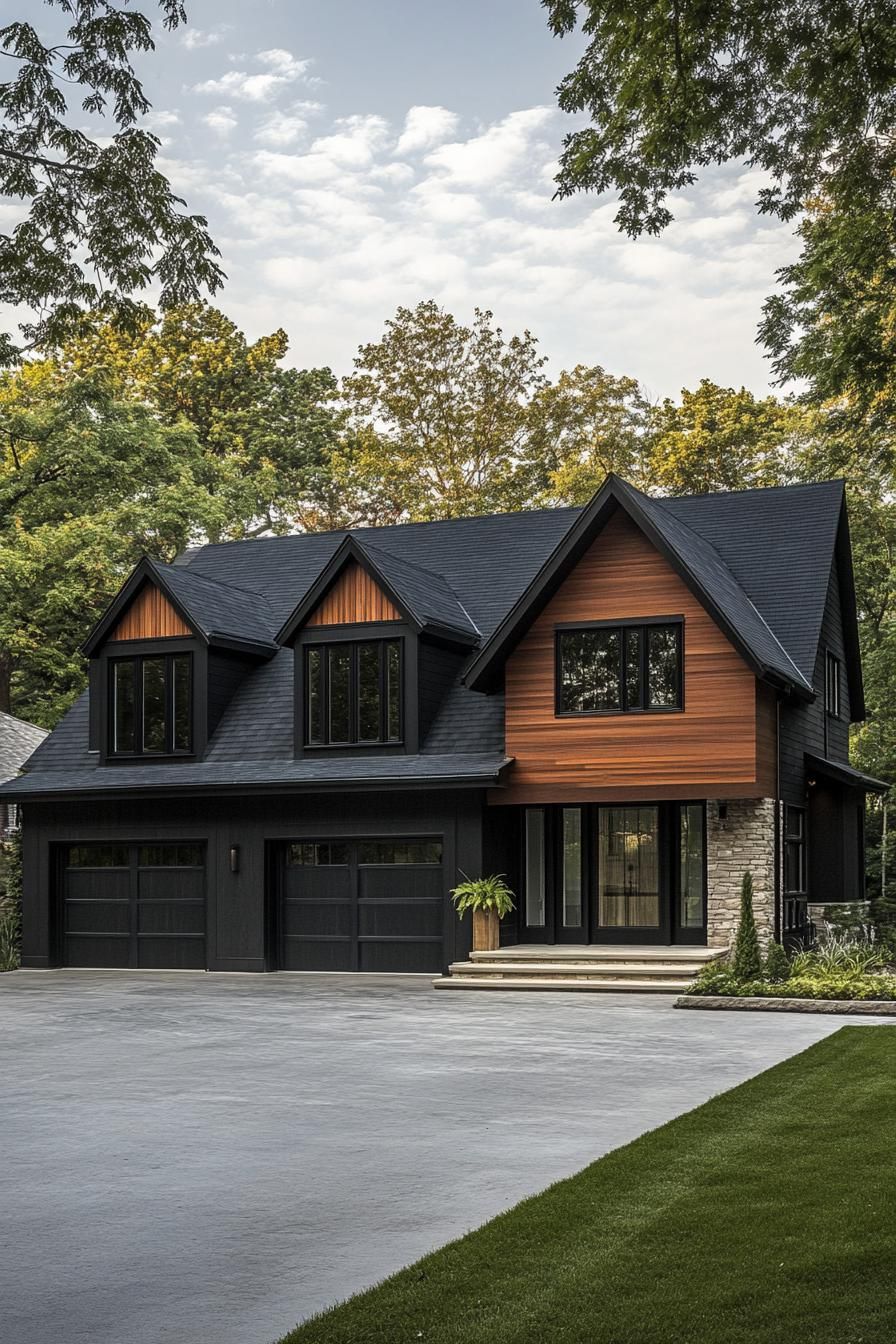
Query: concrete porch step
point(622, 970)
point(592, 984)
point(630, 952)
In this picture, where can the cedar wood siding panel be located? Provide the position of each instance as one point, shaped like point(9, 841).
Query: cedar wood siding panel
point(708, 749)
point(354, 599)
point(150, 616)
point(806, 727)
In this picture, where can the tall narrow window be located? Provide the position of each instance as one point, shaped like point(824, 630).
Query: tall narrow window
point(795, 851)
point(124, 713)
point(663, 684)
point(151, 705)
point(572, 867)
point(832, 684)
point(535, 883)
point(691, 866)
point(353, 692)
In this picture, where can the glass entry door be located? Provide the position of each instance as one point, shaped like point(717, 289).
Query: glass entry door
point(555, 904)
point(631, 892)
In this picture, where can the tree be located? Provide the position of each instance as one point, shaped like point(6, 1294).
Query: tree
point(746, 961)
point(103, 222)
point(591, 423)
point(804, 93)
point(267, 433)
point(448, 415)
point(88, 483)
point(721, 439)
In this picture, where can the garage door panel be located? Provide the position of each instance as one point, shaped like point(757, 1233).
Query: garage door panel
point(317, 954)
point(100, 917)
point(401, 957)
point(107, 953)
point(170, 954)
point(171, 917)
point(97, 884)
point(318, 919)
point(395, 918)
point(403, 881)
point(170, 884)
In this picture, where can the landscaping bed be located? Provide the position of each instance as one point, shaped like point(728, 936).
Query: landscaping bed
point(762, 1217)
point(759, 1004)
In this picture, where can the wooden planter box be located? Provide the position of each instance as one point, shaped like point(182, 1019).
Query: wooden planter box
point(486, 931)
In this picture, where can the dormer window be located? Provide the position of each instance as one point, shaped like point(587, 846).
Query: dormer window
point(150, 705)
point(353, 693)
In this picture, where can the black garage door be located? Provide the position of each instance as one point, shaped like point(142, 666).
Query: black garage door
point(134, 906)
point(362, 905)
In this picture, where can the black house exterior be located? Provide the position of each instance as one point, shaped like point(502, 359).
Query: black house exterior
point(292, 748)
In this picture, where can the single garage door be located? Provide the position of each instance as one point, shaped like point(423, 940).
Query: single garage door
point(362, 905)
point(133, 906)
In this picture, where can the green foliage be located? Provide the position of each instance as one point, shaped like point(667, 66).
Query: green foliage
point(11, 901)
point(484, 893)
point(746, 960)
point(835, 955)
point(445, 416)
point(794, 91)
point(777, 965)
point(101, 222)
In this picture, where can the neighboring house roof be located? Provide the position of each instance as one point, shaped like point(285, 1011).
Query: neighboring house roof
point(760, 560)
point(18, 741)
point(220, 613)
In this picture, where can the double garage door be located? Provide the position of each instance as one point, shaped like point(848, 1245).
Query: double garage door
point(362, 905)
point(134, 906)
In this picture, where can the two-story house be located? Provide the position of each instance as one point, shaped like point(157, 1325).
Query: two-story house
point(292, 748)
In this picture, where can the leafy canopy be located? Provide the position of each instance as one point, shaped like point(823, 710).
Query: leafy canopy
point(804, 92)
point(101, 222)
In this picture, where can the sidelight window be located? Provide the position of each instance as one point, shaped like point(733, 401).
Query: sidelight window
point(607, 669)
point(353, 693)
point(150, 705)
point(795, 851)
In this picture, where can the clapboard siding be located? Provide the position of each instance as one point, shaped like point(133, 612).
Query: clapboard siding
point(354, 599)
point(712, 746)
point(150, 616)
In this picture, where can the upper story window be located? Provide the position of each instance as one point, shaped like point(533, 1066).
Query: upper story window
point(832, 684)
point(353, 692)
point(150, 705)
point(616, 669)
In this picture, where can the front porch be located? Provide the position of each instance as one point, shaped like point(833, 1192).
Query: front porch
point(634, 968)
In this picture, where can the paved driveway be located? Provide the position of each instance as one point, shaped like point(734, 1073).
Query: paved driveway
point(211, 1158)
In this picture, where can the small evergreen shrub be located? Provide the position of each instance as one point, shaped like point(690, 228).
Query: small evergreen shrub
point(746, 961)
point(777, 966)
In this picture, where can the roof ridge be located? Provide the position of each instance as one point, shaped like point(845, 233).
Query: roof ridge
point(431, 573)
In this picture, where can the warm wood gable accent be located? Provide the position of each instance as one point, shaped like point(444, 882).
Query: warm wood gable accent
point(150, 616)
point(355, 598)
point(719, 745)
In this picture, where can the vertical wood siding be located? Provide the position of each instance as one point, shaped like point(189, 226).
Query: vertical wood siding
point(712, 745)
point(353, 599)
point(150, 616)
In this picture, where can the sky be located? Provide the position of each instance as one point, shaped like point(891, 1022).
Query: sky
point(352, 157)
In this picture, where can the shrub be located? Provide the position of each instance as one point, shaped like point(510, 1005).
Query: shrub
point(11, 903)
point(777, 966)
point(746, 961)
point(841, 955)
point(483, 893)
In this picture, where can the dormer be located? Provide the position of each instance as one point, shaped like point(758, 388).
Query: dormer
point(165, 660)
point(377, 642)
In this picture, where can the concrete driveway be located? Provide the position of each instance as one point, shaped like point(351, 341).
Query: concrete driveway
point(212, 1158)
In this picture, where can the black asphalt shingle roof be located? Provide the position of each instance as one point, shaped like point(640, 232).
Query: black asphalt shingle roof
point(18, 740)
point(764, 555)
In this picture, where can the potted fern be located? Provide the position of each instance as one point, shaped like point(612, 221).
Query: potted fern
point(490, 899)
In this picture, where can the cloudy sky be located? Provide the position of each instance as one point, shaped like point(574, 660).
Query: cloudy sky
point(352, 157)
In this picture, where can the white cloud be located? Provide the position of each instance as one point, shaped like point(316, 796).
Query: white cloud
point(221, 120)
point(194, 38)
point(499, 152)
point(281, 129)
point(426, 126)
point(282, 70)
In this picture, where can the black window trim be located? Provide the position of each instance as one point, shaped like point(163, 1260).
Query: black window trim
point(136, 659)
point(801, 840)
point(633, 622)
point(354, 740)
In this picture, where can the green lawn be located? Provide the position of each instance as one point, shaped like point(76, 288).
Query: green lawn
point(767, 1216)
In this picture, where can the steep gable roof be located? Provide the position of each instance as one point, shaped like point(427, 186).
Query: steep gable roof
point(692, 556)
point(18, 740)
point(219, 613)
point(423, 597)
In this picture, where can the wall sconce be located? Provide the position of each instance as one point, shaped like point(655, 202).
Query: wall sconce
point(234, 858)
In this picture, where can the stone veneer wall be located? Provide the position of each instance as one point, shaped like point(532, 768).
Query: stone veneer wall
point(744, 841)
